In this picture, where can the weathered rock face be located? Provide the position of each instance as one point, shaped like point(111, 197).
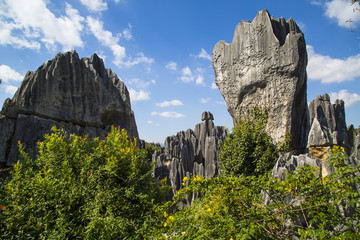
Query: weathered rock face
point(79, 94)
point(190, 153)
point(327, 121)
point(265, 65)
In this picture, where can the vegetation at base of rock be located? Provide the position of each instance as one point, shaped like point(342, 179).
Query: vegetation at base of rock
point(248, 150)
point(80, 189)
point(303, 205)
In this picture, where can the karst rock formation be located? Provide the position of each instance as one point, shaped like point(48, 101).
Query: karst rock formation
point(190, 153)
point(265, 65)
point(80, 95)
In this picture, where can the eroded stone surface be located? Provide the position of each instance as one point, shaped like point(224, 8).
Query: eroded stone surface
point(265, 65)
point(80, 95)
point(190, 153)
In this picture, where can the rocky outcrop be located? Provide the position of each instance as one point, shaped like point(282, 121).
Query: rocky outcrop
point(80, 95)
point(265, 65)
point(327, 121)
point(190, 153)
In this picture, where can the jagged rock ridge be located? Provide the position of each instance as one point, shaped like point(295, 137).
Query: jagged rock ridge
point(79, 94)
point(190, 153)
point(265, 65)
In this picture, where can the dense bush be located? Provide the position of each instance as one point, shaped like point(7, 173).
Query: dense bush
point(248, 150)
point(303, 205)
point(79, 189)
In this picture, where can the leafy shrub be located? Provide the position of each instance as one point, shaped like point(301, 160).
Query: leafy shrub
point(303, 205)
point(248, 150)
point(79, 189)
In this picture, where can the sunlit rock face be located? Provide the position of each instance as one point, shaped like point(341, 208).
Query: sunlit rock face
point(80, 95)
point(265, 65)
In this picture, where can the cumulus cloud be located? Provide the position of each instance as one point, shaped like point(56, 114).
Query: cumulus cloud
point(174, 102)
point(168, 114)
point(24, 24)
point(350, 99)
point(341, 11)
point(332, 70)
point(186, 75)
point(7, 73)
point(172, 66)
point(136, 96)
point(203, 54)
point(107, 39)
point(95, 5)
point(204, 100)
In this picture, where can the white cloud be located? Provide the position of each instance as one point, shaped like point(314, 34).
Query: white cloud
point(350, 99)
point(331, 70)
point(204, 100)
point(199, 80)
point(186, 75)
point(24, 23)
point(168, 114)
point(150, 122)
point(172, 66)
point(341, 11)
point(127, 32)
point(136, 96)
point(203, 54)
point(140, 58)
point(10, 89)
point(174, 102)
point(107, 39)
point(95, 5)
point(7, 73)
point(213, 86)
point(140, 83)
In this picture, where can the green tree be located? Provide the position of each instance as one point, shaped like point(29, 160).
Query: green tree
point(79, 189)
point(248, 150)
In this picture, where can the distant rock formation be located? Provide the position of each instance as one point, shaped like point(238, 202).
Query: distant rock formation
point(80, 95)
point(265, 65)
point(190, 153)
point(327, 121)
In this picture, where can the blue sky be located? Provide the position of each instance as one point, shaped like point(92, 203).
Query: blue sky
point(162, 50)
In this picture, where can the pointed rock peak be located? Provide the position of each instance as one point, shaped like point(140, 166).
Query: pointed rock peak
point(98, 65)
point(207, 116)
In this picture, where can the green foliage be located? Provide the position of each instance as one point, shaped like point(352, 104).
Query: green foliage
point(303, 205)
point(150, 148)
point(79, 189)
point(248, 150)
